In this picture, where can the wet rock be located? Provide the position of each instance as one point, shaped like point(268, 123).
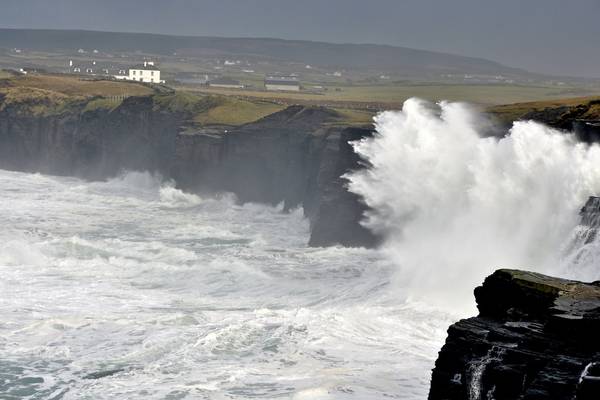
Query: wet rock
point(103, 374)
point(536, 337)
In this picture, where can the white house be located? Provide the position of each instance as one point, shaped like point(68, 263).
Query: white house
point(146, 72)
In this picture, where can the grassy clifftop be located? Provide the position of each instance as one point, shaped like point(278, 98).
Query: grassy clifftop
point(39, 95)
point(213, 109)
point(549, 111)
point(42, 95)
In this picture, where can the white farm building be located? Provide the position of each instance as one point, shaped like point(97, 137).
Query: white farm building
point(146, 72)
point(282, 83)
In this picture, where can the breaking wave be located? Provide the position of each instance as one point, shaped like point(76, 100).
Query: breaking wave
point(454, 205)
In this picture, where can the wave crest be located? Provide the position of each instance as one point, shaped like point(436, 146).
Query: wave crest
point(454, 205)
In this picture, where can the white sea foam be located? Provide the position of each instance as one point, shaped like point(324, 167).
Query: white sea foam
point(453, 205)
point(199, 297)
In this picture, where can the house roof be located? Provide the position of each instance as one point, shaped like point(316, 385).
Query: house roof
point(146, 67)
point(98, 67)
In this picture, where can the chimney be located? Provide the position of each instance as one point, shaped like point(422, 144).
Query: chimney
point(145, 63)
point(70, 63)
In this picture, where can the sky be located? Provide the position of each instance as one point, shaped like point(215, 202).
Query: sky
point(560, 37)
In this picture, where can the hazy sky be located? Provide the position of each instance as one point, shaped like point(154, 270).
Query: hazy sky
point(551, 36)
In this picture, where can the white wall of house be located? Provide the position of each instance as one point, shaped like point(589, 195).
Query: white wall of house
point(288, 88)
point(144, 75)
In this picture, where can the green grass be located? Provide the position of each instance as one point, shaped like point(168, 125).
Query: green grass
point(479, 94)
point(41, 95)
point(354, 104)
point(102, 104)
point(215, 109)
point(354, 117)
point(233, 111)
point(512, 112)
point(393, 95)
point(5, 74)
point(183, 102)
point(37, 102)
point(74, 86)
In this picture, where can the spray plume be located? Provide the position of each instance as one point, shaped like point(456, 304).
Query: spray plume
point(454, 205)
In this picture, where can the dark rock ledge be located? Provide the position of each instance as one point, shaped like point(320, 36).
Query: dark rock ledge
point(536, 337)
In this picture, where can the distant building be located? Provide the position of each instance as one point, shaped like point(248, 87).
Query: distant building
point(146, 72)
point(282, 83)
point(95, 68)
point(226, 83)
point(32, 70)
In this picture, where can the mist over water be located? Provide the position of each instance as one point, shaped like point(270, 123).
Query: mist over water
point(132, 289)
point(454, 205)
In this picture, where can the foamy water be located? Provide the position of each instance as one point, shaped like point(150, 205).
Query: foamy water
point(131, 289)
point(454, 205)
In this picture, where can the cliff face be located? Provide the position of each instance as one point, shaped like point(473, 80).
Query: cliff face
point(536, 337)
point(295, 156)
point(91, 144)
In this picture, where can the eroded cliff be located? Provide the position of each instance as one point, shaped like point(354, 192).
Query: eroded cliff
point(295, 156)
point(536, 337)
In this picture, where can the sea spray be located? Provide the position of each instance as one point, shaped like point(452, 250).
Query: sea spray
point(454, 205)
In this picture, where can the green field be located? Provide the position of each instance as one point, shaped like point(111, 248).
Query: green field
point(355, 105)
point(216, 109)
point(75, 86)
point(395, 94)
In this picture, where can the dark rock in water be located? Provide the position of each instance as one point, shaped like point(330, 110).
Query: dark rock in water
point(103, 374)
point(587, 130)
point(582, 248)
point(536, 337)
point(589, 384)
point(590, 219)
